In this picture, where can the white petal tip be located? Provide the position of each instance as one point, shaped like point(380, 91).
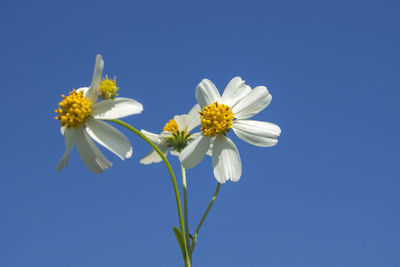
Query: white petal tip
point(235, 179)
point(140, 107)
point(62, 163)
point(104, 166)
point(224, 180)
point(219, 180)
point(129, 154)
point(99, 60)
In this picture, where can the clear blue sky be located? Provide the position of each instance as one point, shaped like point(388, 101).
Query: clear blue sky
point(327, 195)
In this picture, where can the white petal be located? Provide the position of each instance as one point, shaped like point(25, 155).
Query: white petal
point(70, 140)
point(194, 152)
point(258, 99)
point(85, 91)
point(209, 151)
point(90, 154)
point(207, 93)
point(188, 121)
point(174, 152)
point(193, 118)
point(153, 156)
point(182, 121)
point(109, 137)
point(235, 91)
point(165, 135)
point(194, 136)
point(93, 91)
point(197, 135)
point(226, 160)
point(258, 133)
point(62, 129)
point(116, 108)
point(155, 138)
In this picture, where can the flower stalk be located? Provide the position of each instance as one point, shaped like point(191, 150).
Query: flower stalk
point(174, 183)
point(185, 208)
point(204, 217)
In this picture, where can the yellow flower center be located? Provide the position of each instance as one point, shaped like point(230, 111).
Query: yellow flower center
point(179, 139)
point(216, 119)
point(73, 109)
point(171, 126)
point(108, 88)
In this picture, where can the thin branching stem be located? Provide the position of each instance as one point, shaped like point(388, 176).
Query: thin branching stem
point(204, 217)
point(173, 179)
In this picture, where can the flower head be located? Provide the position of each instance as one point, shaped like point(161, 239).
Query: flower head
point(176, 135)
point(108, 88)
point(74, 109)
point(219, 115)
point(81, 118)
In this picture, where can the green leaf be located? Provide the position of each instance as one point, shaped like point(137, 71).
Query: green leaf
point(179, 238)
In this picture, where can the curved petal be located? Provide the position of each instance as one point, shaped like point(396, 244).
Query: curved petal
point(93, 91)
point(210, 149)
point(70, 140)
point(207, 93)
point(188, 121)
point(197, 135)
point(174, 152)
point(257, 100)
point(90, 154)
point(194, 136)
point(153, 156)
point(109, 137)
point(235, 91)
point(182, 121)
point(166, 134)
point(194, 152)
point(116, 108)
point(193, 117)
point(226, 160)
point(85, 90)
point(258, 133)
point(155, 138)
point(62, 130)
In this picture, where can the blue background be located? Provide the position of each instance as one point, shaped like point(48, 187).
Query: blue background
point(327, 195)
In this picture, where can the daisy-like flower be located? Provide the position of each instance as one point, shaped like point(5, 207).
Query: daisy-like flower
point(220, 114)
point(175, 136)
point(81, 118)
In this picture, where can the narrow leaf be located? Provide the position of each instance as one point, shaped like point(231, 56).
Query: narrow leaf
point(179, 238)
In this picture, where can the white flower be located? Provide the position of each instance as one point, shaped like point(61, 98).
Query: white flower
point(81, 119)
point(176, 135)
point(222, 113)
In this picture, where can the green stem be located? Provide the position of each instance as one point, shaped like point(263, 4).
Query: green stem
point(173, 179)
point(204, 217)
point(185, 208)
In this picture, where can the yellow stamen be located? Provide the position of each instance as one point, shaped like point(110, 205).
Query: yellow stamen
point(108, 88)
point(216, 119)
point(73, 109)
point(171, 126)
